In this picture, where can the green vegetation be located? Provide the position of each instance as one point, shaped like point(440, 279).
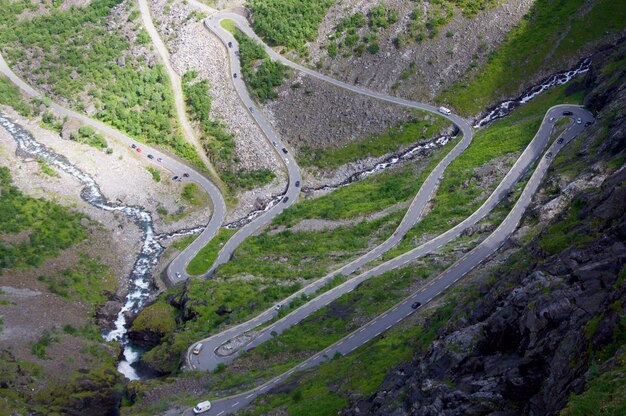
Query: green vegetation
point(194, 195)
point(346, 37)
point(45, 168)
point(159, 318)
point(89, 281)
point(44, 341)
point(605, 394)
point(305, 254)
point(328, 325)
point(229, 25)
point(184, 242)
point(247, 180)
point(206, 256)
point(289, 23)
point(88, 136)
point(81, 60)
point(564, 234)
point(364, 197)
point(423, 127)
point(89, 332)
point(156, 173)
point(11, 96)
point(261, 74)
point(217, 141)
point(49, 226)
point(527, 47)
point(51, 122)
point(361, 372)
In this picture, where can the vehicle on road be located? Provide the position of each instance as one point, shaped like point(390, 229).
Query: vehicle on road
point(549, 155)
point(159, 159)
point(560, 140)
point(444, 110)
point(297, 184)
point(230, 44)
point(589, 123)
point(198, 348)
point(416, 305)
point(150, 157)
point(568, 113)
point(285, 199)
point(174, 178)
point(133, 146)
point(277, 307)
point(202, 407)
point(251, 109)
point(185, 175)
point(234, 75)
point(552, 119)
point(138, 150)
point(274, 143)
point(285, 150)
point(178, 275)
point(579, 120)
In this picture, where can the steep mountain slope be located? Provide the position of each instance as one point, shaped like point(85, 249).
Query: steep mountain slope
point(547, 316)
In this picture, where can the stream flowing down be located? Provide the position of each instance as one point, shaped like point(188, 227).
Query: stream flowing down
point(504, 108)
point(140, 279)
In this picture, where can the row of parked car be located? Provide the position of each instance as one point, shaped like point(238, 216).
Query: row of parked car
point(138, 150)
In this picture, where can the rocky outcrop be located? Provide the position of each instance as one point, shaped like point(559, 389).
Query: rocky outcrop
point(525, 345)
point(98, 391)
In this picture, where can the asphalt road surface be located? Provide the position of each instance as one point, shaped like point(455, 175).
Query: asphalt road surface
point(450, 276)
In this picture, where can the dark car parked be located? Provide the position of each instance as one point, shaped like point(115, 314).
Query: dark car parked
point(416, 305)
point(285, 151)
point(568, 113)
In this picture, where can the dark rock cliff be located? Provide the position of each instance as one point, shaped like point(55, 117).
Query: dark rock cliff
point(529, 338)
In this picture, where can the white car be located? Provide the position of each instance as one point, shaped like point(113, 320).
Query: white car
point(202, 407)
point(579, 120)
point(444, 110)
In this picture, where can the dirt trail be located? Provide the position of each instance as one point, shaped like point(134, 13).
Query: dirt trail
point(175, 81)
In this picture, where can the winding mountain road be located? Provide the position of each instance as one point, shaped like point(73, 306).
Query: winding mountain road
point(442, 282)
point(417, 206)
point(208, 359)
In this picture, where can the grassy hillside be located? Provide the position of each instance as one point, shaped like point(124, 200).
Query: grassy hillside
point(49, 227)
point(551, 32)
point(11, 96)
